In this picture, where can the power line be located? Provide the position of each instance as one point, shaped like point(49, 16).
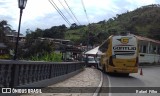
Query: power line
point(72, 12)
point(85, 11)
point(67, 11)
point(59, 11)
point(88, 25)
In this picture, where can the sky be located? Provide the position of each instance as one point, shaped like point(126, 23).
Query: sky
point(41, 14)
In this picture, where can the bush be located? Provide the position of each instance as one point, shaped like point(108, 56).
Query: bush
point(5, 56)
point(52, 57)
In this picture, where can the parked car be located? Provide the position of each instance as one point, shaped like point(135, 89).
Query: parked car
point(91, 61)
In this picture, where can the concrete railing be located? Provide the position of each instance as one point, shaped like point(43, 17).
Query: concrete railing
point(17, 73)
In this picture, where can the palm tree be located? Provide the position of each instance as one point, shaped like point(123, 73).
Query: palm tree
point(4, 28)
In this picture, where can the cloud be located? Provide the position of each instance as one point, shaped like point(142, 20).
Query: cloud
point(41, 14)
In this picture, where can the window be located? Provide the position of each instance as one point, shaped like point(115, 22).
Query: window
point(158, 50)
point(140, 48)
point(154, 50)
point(144, 49)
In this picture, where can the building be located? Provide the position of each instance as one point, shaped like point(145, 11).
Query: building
point(149, 50)
point(12, 37)
point(7, 46)
point(69, 51)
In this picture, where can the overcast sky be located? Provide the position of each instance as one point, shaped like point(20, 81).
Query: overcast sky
point(41, 14)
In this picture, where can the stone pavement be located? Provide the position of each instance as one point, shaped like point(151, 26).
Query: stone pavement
point(89, 77)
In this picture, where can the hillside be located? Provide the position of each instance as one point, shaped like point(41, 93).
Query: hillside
point(144, 21)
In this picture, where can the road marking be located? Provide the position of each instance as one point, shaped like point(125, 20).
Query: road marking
point(109, 85)
point(99, 86)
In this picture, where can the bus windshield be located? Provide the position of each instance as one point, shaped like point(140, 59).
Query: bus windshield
point(124, 47)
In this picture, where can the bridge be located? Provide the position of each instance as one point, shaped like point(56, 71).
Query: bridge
point(83, 81)
point(35, 74)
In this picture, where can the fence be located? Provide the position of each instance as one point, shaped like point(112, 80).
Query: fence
point(17, 73)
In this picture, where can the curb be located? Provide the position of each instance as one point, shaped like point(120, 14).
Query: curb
point(99, 86)
point(147, 66)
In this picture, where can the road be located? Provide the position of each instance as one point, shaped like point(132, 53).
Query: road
point(129, 85)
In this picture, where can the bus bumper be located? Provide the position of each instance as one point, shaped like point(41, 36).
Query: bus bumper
point(123, 70)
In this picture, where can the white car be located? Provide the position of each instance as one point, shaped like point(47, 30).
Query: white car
point(91, 61)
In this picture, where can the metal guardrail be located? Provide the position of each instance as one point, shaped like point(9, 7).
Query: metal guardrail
point(16, 73)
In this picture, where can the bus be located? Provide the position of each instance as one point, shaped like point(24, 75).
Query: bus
point(119, 54)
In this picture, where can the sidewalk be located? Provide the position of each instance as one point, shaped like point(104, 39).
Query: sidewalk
point(90, 77)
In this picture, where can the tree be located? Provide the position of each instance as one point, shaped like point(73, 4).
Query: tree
point(4, 28)
point(37, 48)
point(55, 32)
point(73, 26)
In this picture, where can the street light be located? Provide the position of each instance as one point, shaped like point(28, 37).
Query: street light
point(21, 5)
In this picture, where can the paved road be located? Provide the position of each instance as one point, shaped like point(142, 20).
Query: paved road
point(90, 77)
point(150, 78)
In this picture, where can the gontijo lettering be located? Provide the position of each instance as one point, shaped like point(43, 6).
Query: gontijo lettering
point(124, 48)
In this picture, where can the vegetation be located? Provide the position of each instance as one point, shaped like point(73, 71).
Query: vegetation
point(5, 56)
point(144, 21)
point(53, 57)
point(36, 48)
point(3, 27)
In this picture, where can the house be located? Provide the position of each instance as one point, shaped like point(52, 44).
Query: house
point(12, 37)
point(67, 48)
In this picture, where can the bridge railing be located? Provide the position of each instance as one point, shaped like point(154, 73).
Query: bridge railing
point(17, 73)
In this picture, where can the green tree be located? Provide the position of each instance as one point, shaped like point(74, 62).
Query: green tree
point(55, 32)
point(4, 28)
point(73, 26)
point(37, 48)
